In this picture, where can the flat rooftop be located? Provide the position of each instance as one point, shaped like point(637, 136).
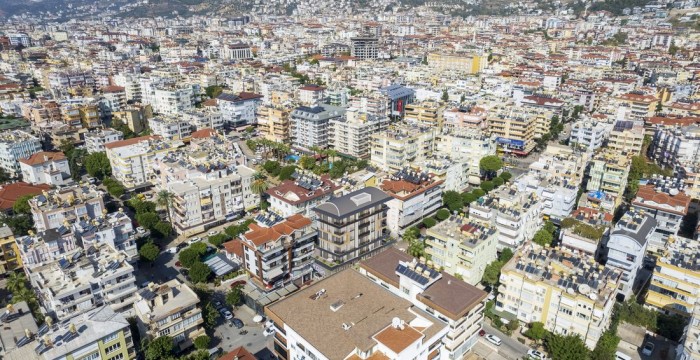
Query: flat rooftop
point(358, 302)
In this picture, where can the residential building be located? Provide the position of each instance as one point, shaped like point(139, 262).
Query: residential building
point(627, 137)
point(311, 95)
point(351, 134)
point(17, 331)
point(517, 131)
point(95, 140)
point(171, 309)
point(428, 113)
point(364, 318)
point(639, 106)
point(172, 100)
point(236, 51)
point(516, 215)
point(465, 117)
point(627, 245)
point(364, 47)
point(113, 99)
point(115, 229)
point(689, 345)
point(608, 179)
point(558, 196)
point(352, 225)
point(98, 334)
point(561, 162)
point(310, 126)
point(16, 145)
point(81, 281)
point(675, 283)
point(135, 116)
point(565, 290)
point(589, 134)
point(401, 144)
point(132, 159)
point(171, 127)
point(52, 209)
point(46, 246)
point(10, 193)
point(46, 168)
point(676, 147)
point(81, 115)
point(10, 259)
point(462, 247)
point(451, 300)
point(204, 119)
point(416, 195)
point(586, 230)
point(463, 63)
point(238, 110)
point(278, 254)
point(395, 98)
point(274, 123)
point(300, 196)
point(466, 147)
point(663, 201)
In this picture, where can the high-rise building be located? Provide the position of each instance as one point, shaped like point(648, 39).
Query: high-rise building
point(364, 47)
point(310, 126)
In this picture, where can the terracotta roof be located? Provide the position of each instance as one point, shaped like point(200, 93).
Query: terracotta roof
point(292, 193)
point(42, 157)
point(239, 353)
point(127, 142)
point(112, 89)
point(312, 87)
point(11, 192)
point(646, 195)
point(673, 121)
point(209, 102)
point(638, 97)
point(397, 340)
point(403, 190)
point(204, 133)
point(234, 247)
point(261, 235)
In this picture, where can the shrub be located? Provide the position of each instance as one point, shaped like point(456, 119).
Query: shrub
point(429, 222)
point(442, 214)
point(506, 176)
point(487, 186)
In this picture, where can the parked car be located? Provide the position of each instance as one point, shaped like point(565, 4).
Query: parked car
point(227, 314)
point(269, 331)
point(493, 339)
point(648, 348)
point(90, 180)
point(622, 356)
point(212, 232)
point(173, 250)
point(269, 323)
point(238, 283)
point(193, 240)
point(218, 305)
point(482, 332)
point(140, 230)
point(237, 323)
point(535, 355)
point(181, 246)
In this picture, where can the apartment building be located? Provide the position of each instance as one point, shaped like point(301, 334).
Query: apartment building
point(114, 229)
point(585, 230)
point(664, 202)
point(451, 300)
point(608, 179)
point(561, 162)
point(81, 281)
point(302, 195)
point(639, 106)
point(351, 134)
point(239, 110)
point(517, 131)
point(311, 95)
point(676, 147)
point(675, 283)
point(113, 99)
point(78, 116)
point(61, 81)
point(627, 137)
point(589, 134)
point(463, 63)
point(515, 215)
point(466, 147)
point(310, 126)
point(465, 117)
point(415, 196)
point(330, 309)
point(95, 140)
point(53, 208)
point(135, 116)
point(278, 254)
point(171, 309)
point(16, 145)
point(395, 98)
point(97, 334)
point(10, 259)
point(172, 100)
point(627, 245)
point(689, 344)
point(565, 290)
point(49, 168)
point(428, 113)
point(41, 113)
point(401, 144)
point(558, 196)
point(352, 225)
point(274, 123)
point(462, 248)
point(132, 159)
point(364, 47)
point(207, 118)
point(171, 127)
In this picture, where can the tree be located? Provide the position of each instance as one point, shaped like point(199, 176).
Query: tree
point(606, 346)
point(148, 220)
point(505, 175)
point(97, 165)
point(234, 296)
point(490, 164)
point(453, 200)
point(163, 228)
point(21, 205)
point(442, 214)
point(569, 347)
point(16, 281)
point(199, 272)
point(213, 91)
point(149, 252)
point(543, 238)
point(160, 348)
point(498, 181)
point(202, 342)
point(536, 331)
point(19, 224)
point(164, 199)
point(549, 227)
point(199, 247)
point(210, 314)
point(188, 257)
point(478, 193)
point(286, 172)
point(272, 167)
point(659, 108)
point(429, 222)
point(506, 255)
point(492, 272)
point(445, 96)
point(468, 198)
point(487, 185)
point(670, 326)
point(218, 239)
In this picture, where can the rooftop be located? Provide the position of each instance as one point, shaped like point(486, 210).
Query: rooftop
point(468, 233)
point(657, 196)
point(259, 235)
point(635, 224)
point(683, 253)
point(304, 188)
point(353, 202)
point(182, 297)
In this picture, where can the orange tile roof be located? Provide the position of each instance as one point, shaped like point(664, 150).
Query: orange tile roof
point(204, 133)
point(11, 192)
point(397, 340)
point(260, 235)
point(42, 157)
point(239, 353)
point(649, 193)
point(127, 142)
point(235, 247)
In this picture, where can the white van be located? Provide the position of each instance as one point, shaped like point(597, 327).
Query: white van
point(622, 356)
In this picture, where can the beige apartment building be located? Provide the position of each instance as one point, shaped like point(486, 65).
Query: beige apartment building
point(627, 137)
point(467, 63)
point(132, 160)
point(401, 144)
point(517, 130)
point(428, 113)
point(273, 123)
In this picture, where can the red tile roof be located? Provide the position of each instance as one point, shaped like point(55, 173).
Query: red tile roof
point(235, 247)
point(204, 133)
point(112, 89)
point(647, 194)
point(42, 157)
point(11, 192)
point(261, 235)
point(127, 142)
point(239, 353)
point(288, 187)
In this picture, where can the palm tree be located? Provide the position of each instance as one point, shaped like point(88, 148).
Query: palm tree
point(259, 185)
point(164, 199)
point(16, 281)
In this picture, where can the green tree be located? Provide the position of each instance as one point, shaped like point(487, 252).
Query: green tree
point(478, 193)
point(199, 247)
point(453, 200)
point(671, 326)
point(163, 228)
point(442, 214)
point(188, 257)
point(160, 348)
point(213, 91)
point(429, 222)
point(97, 165)
point(543, 238)
point(148, 220)
point(445, 96)
point(21, 205)
point(235, 296)
point(505, 175)
point(536, 331)
point(209, 314)
point(218, 239)
point(202, 342)
point(272, 167)
point(569, 347)
point(506, 255)
point(19, 224)
point(487, 186)
point(468, 198)
point(149, 252)
point(490, 164)
point(498, 181)
point(199, 272)
point(259, 185)
point(164, 199)
point(287, 171)
point(492, 272)
point(16, 281)
point(606, 346)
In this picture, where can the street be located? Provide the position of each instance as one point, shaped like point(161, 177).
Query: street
point(510, 348)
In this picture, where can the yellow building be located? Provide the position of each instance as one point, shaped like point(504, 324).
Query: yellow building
point(425, 113)
point(135, 117)
point(459, 62)
point(517, 130)
point(627, 137)
point(675, 284)
point(608, 174)
point(640, 106)
point(273, 123)
point(10, 259)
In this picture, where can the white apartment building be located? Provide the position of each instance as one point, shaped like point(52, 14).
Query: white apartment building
point(466, 146)
point(81, 281)
point(46, 168)
point(558, 196)
point(350, 135)
point(563, 289)
point(414, 195)
point(204, 119)
point(663, 201)
point(55, 208)
point(676, 147)
point(401, 144)
point(114, 229)
point(95, 140)
point(132, 160)
point(311, 95)
point(310, 126)
point(171, 127)
point(627, 246)
point(172, 100)
point(239, 110)
point(589, 134)
point(16, 145)
point(131, 85)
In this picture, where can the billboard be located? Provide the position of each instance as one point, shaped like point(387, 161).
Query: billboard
point(510, 142)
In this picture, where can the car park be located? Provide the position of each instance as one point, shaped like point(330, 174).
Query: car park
point(237, 323)
point(535, 355)
point(493, 339)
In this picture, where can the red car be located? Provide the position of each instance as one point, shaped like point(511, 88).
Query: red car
point(238, 283)
point(177, 264)
point(482, 332)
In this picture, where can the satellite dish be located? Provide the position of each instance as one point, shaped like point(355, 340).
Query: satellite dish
point(584, 289)
point(673, 192)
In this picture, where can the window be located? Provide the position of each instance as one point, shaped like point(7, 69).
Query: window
point(113, 348)
point(119, 356)
point(93, 356)
point(164, 332)
point(110, 338)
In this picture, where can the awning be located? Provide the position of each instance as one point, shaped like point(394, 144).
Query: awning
point(220, 265)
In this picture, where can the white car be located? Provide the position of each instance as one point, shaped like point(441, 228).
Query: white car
point(269, 331)
point(269, 324)
point(193, 240)
point(493, 339)
point(227, 315)
point(172, 250)
point(648, 348)
point(536, 355)
point(212, 232)
point(140, 230)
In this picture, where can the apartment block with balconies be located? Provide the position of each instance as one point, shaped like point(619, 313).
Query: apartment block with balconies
point(60, 207)
point(10, 259)
point(608, 175)
point(675, 283)
point(401, 144)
